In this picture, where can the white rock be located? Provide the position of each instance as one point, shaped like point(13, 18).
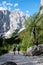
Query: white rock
point(10, 21)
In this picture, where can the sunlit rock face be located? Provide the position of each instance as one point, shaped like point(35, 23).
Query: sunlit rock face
point(41, 12)
point(17, 19)
point(41, 2)
point(10, 21)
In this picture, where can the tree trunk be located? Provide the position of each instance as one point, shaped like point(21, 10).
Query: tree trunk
point(35, 37)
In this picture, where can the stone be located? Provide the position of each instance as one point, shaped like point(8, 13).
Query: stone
point(35, 50)
point(9, 63)
point(10, 58)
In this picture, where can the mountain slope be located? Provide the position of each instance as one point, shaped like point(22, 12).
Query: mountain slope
point(10, 21)
point(4, 22)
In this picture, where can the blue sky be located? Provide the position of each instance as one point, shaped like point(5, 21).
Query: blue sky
point(27, 6)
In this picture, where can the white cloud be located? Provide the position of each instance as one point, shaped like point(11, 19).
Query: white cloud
point(1, 8)
point(4, 2)
point(16, 4)
point(9, 4)
point(27, 11)
point(9, 8)
point(5, 5)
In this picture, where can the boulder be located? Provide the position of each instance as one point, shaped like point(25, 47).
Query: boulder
point(35, 50)
point(9, 63)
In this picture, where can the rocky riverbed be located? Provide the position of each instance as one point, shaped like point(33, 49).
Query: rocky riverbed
point(20, 59)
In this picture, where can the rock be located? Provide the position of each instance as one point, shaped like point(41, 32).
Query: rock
point(9, 63)
point(35, 50)
point(11, 21)
point(11, 59)
point(29, 51)
point(4, 22)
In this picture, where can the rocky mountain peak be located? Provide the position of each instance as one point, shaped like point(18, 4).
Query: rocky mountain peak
point(10, 21)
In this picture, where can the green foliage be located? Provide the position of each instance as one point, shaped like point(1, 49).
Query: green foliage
point(41, 7)
point(36, 21)
point(7, 45)
point(26, 40)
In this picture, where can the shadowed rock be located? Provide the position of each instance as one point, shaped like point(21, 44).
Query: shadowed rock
point(9, 63)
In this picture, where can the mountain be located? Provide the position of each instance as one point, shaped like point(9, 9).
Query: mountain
point(11, 21)
point(4, 22)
